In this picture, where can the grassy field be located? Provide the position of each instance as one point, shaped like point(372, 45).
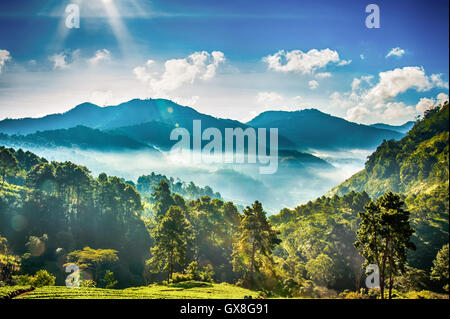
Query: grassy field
point(187, 290)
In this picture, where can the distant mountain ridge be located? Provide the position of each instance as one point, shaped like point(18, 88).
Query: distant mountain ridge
point(311, 128)
point(151, 121)
point(80, 136)
point(404, 128)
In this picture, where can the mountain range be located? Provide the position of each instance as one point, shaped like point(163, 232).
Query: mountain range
point(140, 123)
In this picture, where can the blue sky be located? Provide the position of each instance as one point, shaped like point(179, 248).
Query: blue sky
point(231, 59)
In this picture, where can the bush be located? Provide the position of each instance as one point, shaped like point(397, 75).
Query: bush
point(193, 273)
point(88, 284)
point(23, 280)
point(43, 278)
point(109, 281)
point(40, 279)
point(180, 277)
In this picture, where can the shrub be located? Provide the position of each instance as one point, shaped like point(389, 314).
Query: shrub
point(109, 281)
point(43, 278)
point(23, 280)
point(88, 284)
point(180, 277)
point(40, 279)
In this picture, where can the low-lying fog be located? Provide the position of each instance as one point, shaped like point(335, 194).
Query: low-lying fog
point(240, 183)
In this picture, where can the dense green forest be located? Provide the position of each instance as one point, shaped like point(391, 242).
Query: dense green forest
point(124, 234)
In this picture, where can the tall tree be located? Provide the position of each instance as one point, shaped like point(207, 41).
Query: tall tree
point(440, 269)
point(256, 241)
point(93, 259)
point(384, 237)
point(8, 164)
point(171, 236)
point(163, 199)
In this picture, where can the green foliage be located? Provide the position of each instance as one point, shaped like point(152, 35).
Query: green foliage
point(184, 290)
point(415, 164)
point(40, 279)
point(109, 281)
point(146, 185)
point(320, 270)
point(440, 269)
point(384, 237)
point(253, 249)
point(8, 164)
point(87, 283)
point(94, 260)
point(43, 278)
point(171, 235)
point(9, 263)
point(324, 226)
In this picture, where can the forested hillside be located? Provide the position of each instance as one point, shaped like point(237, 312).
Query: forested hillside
point(161, 230)
point(417, 166)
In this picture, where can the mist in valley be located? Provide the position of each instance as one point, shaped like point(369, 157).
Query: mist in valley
point(290, 186)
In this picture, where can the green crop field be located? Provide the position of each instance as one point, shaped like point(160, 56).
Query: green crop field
point(187, 290)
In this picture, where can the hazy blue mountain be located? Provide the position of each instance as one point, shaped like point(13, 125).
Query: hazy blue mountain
point(80, 136)
point(404, 128)
point(126, 114)
point(311, 128)
point(151, 121)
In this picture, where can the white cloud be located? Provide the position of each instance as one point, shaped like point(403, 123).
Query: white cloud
point(344, 62)
point(427, 103)
point(178, 72)
point(269, 98)
point(302, 62)
point(394, 82)
point(362, 56)
point(442, 98)
point(313, 84)
point(356, 83)
point(376, 100)
point(323, 75)
point(437, 81)
point(395, 51)
point(63, 60)
point(59, 61)
point(100, 55)
point(5, 56)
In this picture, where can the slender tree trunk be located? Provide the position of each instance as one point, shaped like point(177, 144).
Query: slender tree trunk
point(252, 266)
point(391, 281)
point(382, 274)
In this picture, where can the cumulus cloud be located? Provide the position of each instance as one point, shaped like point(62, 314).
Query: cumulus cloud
point(5, 56)
point(394, 82)
point(344, 62)
point(313, 84)
point(302, 62)
point(427, 103)
point(59, 61)
point(63, 60)
point(356, 83)
point(323, 75)
point(178, 72)
point(368, 100)
point(100, 55)
point(395, 51)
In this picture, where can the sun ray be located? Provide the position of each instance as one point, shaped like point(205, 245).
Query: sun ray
point(119, 28)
